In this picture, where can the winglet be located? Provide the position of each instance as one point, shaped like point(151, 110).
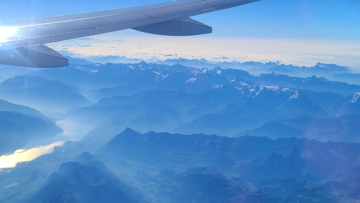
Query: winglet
point(39, 56)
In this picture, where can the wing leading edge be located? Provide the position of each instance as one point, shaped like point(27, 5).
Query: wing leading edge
point(25, 36)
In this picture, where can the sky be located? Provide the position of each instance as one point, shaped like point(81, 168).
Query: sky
point(300, 19)
point(299, 32)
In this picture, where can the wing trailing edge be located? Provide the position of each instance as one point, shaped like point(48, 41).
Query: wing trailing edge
point(185, 27)
point(39, 56)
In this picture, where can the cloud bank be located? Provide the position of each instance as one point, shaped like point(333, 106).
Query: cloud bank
point(285, 51)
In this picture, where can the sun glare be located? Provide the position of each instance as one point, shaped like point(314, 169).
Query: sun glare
point(21, 155)
point(6, 33)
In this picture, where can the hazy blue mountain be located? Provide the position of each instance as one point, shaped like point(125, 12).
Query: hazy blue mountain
point(288, 158)
point(299, 105)
point(352, 171)
point(347, 106)
point(7, 106)
point(175, 106)
point(307, 159)
point(140, 117)
point(352, 78)
point(161, 120)
point(311, 83)
point(42, 94)
point(347, 189)
point(76, 61)
point(257, 68)
point(234, 119)
point(17, 129)
point(254, 106)
point(325, 99)
point(320, 70)
point(287, 102)
point(13, 71)
point(342, 129)
point(202, 109)
point(2, 78)
point(96, 76)
point(101, 115)
point(188, 62)
point(303, 146)
point(296, 190)
point(122, 99)
point(86, 181)
point(98, 94)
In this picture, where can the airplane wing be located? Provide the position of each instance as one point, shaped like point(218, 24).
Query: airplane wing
point(22, 41)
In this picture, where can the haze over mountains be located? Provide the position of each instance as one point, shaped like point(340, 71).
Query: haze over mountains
point(175, 133)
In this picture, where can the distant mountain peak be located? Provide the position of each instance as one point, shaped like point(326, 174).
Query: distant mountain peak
point(85, 156)
point(143, 63)
point(129, 131)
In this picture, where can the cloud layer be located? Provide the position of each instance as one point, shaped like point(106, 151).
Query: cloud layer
point(286, 51)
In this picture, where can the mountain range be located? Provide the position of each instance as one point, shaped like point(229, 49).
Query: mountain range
point(165, 132)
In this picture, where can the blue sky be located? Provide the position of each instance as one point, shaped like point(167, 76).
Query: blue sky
point(281, 19)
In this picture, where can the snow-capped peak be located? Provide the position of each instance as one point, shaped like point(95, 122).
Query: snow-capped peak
point(217, 86)
point(273, 88)
point(191, 80)
point(356, 96)
point(294, 96)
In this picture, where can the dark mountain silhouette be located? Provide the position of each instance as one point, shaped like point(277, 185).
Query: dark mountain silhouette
point(176, 150)
point(288, 158)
